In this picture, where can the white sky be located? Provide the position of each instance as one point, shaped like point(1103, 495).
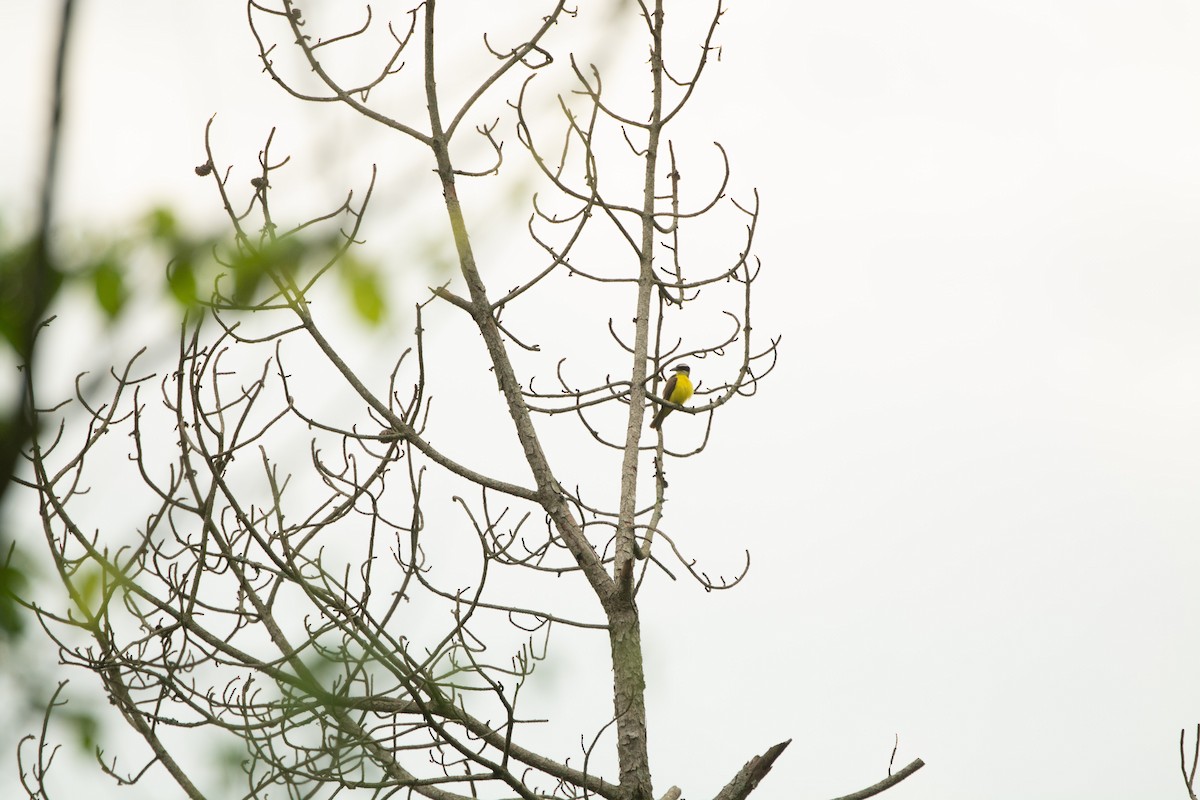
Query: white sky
point(970, 488)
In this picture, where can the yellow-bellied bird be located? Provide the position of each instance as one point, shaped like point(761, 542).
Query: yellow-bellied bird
point(677, 390)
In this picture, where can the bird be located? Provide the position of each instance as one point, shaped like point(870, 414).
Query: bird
point(677, 390)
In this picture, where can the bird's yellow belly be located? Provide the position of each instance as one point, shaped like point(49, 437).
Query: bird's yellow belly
point(682, 391)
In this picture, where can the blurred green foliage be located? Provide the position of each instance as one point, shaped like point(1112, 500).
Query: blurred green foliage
point(156, 257)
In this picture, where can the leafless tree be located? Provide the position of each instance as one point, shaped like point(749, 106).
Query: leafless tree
point(321, 611)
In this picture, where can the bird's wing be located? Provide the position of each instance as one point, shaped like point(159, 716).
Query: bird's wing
point(669, 389)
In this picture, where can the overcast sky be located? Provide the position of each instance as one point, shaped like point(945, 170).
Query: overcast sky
point(970, 490)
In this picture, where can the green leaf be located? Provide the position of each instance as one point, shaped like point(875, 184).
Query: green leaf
point(163, 225)
point(248, 272)
point(18, 273)
point(12, 584)
point(252, 267)
point(181, 280)
point(87, 728)
point(109, 282)
point(88, 587)
point(366, 295)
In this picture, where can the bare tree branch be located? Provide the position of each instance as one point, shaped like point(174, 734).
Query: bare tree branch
point(749, 776)
point(886, 783)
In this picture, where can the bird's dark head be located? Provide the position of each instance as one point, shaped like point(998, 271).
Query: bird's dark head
point(684, 368)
